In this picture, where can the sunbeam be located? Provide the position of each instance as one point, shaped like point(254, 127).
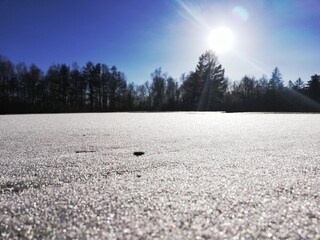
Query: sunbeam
point(194, 16)
point(255, 63)
point(301, 102)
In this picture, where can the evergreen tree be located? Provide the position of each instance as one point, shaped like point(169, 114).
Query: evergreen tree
point(191, 91)
point(313, 87)
point(275, 82)
point(275, 86)
point(298, 84)
point(205, 88)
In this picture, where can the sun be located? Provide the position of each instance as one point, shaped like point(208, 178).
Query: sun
point(221, 39)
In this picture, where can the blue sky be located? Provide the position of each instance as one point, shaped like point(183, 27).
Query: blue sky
point(140, 35)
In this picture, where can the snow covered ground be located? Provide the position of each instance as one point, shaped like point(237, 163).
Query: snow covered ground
point(202, 176)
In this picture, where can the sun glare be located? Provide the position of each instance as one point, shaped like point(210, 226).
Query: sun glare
point(221, 39)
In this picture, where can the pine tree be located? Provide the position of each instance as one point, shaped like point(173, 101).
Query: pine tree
point(276, 81)
point(205, 88)
point(313, 87)
point(298, 84)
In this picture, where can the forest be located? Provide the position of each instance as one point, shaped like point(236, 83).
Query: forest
point(100, 88)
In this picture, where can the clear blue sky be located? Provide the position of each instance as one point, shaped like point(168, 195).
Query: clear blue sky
point(140, 35)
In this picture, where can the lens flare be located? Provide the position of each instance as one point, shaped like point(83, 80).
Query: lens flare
point(240, 13)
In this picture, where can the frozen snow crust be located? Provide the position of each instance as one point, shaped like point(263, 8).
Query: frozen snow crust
point(197, 176)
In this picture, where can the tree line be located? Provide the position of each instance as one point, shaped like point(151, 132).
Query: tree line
point(100, 88)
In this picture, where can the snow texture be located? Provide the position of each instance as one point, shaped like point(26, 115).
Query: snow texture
point(199, 176)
